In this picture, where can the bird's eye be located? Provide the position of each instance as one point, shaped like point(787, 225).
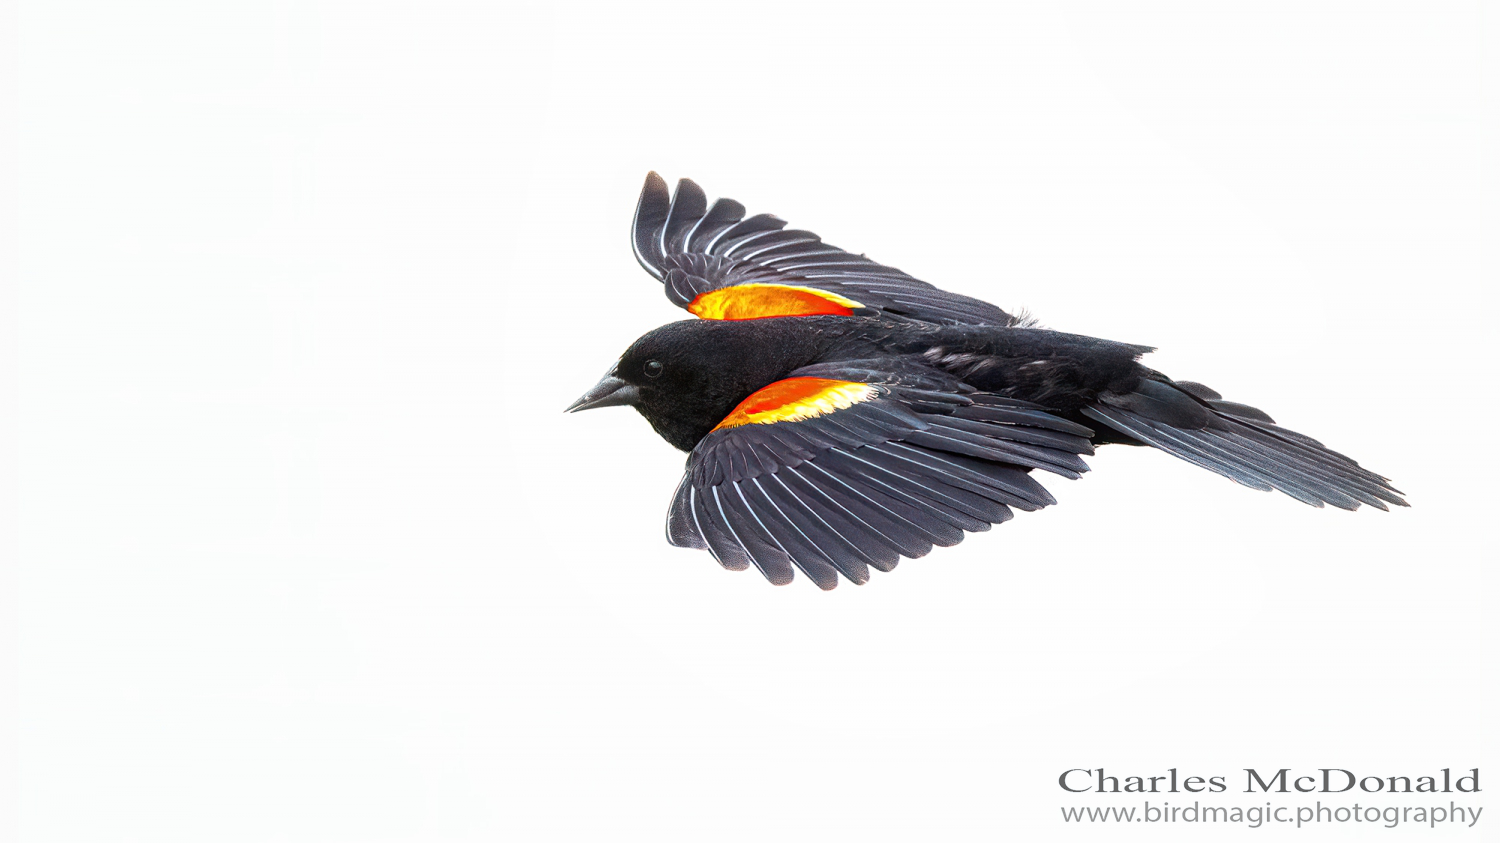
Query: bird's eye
point(653, 368)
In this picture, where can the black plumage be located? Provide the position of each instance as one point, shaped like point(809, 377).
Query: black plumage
point(841, 414)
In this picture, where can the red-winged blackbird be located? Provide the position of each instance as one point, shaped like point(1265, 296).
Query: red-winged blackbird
point(841, 414)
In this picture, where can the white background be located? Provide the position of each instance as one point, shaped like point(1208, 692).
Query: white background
point(308, 551)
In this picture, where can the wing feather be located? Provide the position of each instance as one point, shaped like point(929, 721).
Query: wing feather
point(723, 214)
point(724, 548)
point(817, 533)
point(688, 207)
point(853, 513)
point(788, 537)
point(890, 469)
point(696, 248)
point(772, 561)
point(880, 555)
point(908, 491)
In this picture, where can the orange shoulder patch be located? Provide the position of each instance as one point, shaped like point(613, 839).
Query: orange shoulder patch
point(759, 301)
point(795, 399)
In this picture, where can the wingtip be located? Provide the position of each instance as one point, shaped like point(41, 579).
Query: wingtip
point(654, 193)
point(689, 202)
point(778, 578)
point(650, 214)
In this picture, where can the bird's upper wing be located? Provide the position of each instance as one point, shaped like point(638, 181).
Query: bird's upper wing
point(846, 466)
point(718, 264)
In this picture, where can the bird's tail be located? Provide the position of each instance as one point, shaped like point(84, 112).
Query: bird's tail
point(1191, 421)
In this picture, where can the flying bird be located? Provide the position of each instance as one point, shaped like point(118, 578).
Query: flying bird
point(839, 414)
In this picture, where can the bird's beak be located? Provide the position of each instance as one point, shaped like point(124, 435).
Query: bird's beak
point(609, 392)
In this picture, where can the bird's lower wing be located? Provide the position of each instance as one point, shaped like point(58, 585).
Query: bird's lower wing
point(839, 469)
point(1193, 422)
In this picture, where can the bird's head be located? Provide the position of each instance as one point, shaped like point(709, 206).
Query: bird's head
point(680, 376)
point(685, 377)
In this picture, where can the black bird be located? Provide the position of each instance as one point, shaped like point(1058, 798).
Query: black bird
point(841, 414)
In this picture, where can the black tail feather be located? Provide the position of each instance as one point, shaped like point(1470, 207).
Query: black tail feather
point(1193, 423)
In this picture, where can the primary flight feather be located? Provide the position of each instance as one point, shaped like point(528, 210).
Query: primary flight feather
point(840, 414)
